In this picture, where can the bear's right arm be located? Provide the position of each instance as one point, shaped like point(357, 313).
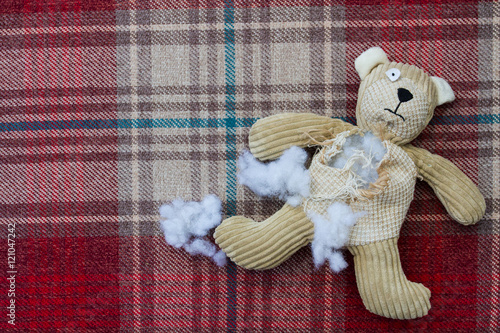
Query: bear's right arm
point(271, 136)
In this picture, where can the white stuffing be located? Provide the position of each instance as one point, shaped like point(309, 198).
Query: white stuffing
point(286, 178)
point(200, 246)
point(332, 233)
point(336, 261)
point(187, 224)
point(220, 258)
point(362, 155)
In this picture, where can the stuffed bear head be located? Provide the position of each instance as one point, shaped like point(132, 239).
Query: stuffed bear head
point(396, 100)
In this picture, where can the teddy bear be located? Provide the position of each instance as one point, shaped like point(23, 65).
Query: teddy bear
point(395, 103)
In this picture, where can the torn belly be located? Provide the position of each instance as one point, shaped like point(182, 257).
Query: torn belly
point(350, 167)
point(385, 201)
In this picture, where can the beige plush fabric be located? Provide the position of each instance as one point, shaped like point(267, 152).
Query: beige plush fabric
point(444, 92)
point(271, 136)
point(365, 61)
point(457, 192)
point(382, 284)
point(266, 244)
point(373, 240)
point(386, 211)
point(396, 111)
point(375, 95)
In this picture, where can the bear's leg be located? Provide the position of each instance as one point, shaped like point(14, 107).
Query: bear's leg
point(265, 245)
point(383, 285)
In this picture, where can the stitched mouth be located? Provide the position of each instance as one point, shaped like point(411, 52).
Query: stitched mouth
point(404, 95)
point(395, 112)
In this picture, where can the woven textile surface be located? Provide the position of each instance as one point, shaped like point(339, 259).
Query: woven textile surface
point(386, 210)
point(109, 109)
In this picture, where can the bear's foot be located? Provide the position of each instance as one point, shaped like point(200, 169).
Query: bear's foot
point(265, 245)
point(382, 284)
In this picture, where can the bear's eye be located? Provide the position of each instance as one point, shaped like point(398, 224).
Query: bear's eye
point(393, 74)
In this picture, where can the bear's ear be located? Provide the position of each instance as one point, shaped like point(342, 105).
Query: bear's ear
point(444, 91)
point(368, 60)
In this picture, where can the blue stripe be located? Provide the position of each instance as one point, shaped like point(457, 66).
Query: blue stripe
point(466, 119)
point(230, 123)
point(127, 123)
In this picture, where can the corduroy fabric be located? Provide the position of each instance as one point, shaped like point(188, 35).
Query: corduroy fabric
point(382, 284)
point(459, 195)
point(271, 136)
point(267, 244)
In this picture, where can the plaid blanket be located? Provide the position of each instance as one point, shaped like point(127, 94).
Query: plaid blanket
point(109, 109)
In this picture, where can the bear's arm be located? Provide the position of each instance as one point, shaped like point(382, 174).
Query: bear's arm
point(455, 190)
point(271, 136)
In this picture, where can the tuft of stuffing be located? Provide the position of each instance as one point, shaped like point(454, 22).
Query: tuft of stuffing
point(332, 233)
point(362, 155)
point(187, 224)
point(286, 178)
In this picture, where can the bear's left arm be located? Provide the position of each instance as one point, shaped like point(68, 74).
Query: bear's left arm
point(455, 190)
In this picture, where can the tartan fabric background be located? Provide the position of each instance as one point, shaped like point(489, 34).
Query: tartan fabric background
point(109, 109)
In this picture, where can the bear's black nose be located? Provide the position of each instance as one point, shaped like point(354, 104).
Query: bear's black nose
point(404, 95)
